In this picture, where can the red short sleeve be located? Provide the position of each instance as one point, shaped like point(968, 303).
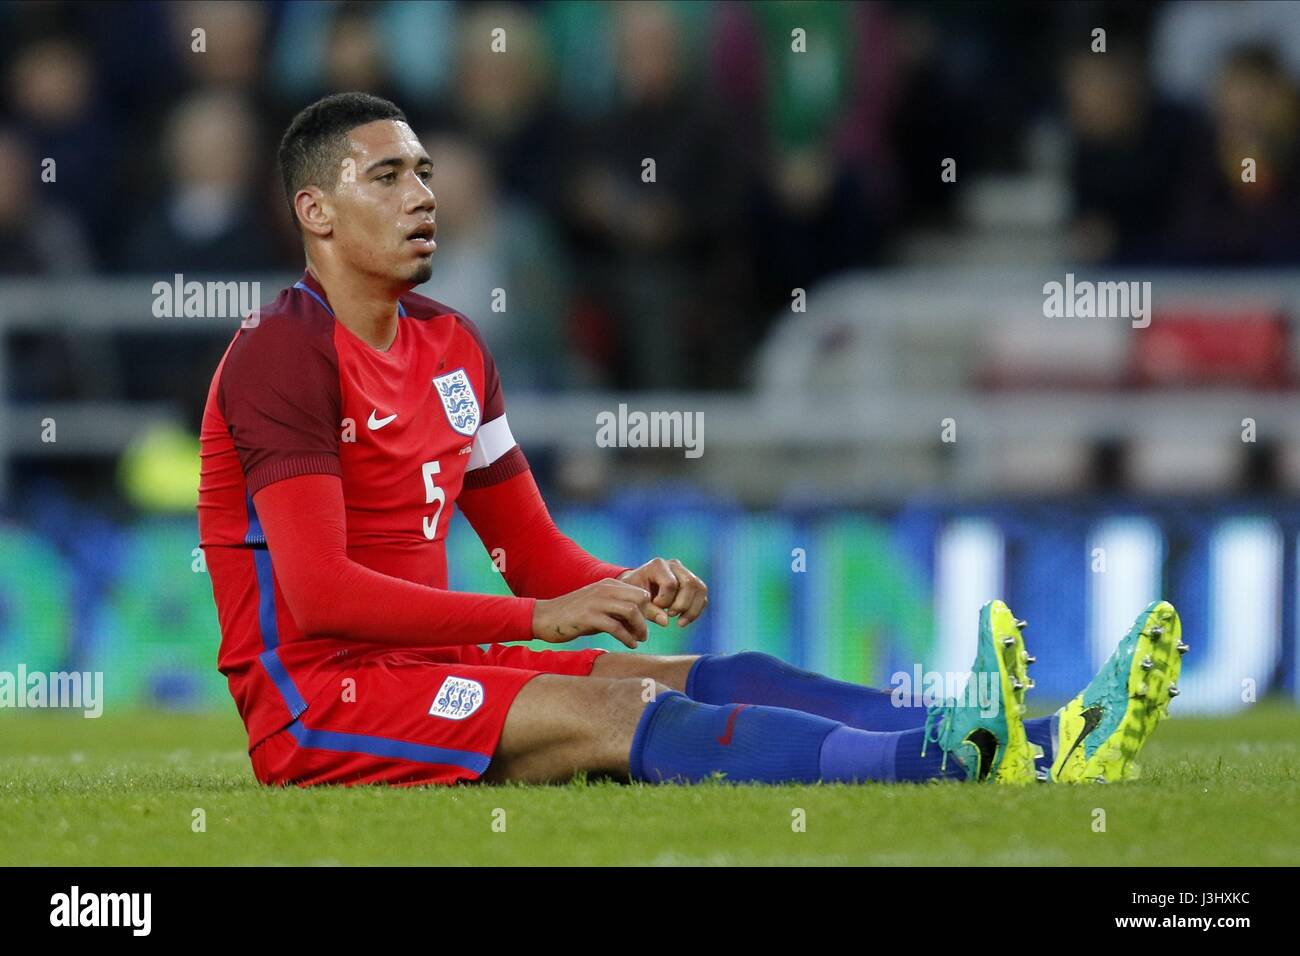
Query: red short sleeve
point(279, 395)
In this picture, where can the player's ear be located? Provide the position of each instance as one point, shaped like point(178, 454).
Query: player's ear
point(313, 215)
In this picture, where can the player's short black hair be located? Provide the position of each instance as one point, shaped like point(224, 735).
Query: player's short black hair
point(315, 144)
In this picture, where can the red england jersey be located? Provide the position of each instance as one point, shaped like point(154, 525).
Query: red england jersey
point(405, 430)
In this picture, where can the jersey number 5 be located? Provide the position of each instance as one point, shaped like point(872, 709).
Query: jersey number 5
point(432, 493)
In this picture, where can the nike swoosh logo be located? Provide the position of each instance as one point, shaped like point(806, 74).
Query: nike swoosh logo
point(725, 739)
point(379, 422)
point(1091, 718)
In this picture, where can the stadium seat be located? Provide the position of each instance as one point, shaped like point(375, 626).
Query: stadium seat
point(1249, 348)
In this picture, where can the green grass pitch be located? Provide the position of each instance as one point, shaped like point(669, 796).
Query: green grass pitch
point(123, 790)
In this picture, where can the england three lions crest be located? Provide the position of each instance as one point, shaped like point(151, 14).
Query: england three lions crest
point(459, 401)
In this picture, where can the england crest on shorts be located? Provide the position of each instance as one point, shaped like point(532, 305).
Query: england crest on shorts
point(457, 698)
point(459, 401)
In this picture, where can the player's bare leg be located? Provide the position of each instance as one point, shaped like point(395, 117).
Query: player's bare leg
point(559, 725)
point(666, 669)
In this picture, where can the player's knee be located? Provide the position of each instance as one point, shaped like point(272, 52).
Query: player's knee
point(753, 659)
point(757, 662)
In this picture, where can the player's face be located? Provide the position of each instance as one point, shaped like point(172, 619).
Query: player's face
point(384, 208)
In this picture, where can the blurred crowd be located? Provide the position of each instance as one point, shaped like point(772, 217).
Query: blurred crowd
point(774, 169)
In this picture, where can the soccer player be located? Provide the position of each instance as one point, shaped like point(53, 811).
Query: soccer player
point(342, 426)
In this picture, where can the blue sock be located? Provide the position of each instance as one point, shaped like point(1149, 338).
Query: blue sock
point(1039, 731)
point(888, 757)
point(681, 739)
point(753, 677)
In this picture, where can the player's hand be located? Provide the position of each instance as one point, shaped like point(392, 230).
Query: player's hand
point(608, 606)
point(673, 587)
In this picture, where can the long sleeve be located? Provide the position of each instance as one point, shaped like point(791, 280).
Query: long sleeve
point(540, 561)
point(330, 594)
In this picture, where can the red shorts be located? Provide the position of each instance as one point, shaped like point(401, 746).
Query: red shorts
point(407, 719)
